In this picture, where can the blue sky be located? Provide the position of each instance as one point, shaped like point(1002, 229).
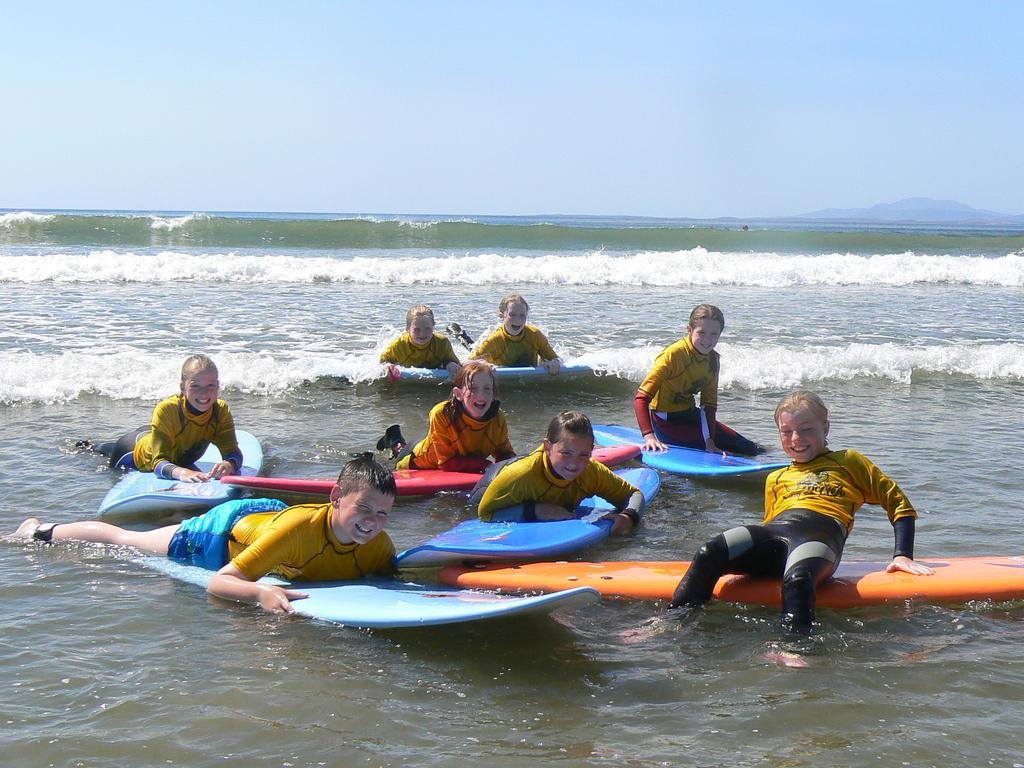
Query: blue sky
point(661, 109)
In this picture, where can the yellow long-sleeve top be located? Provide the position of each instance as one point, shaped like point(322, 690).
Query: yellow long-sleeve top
point(177, 436)
point(532, 478)
point(299, 543)
point(436, 353)
point(836, 484)
point(450, 435)
point(527, 349)
point(679, 373)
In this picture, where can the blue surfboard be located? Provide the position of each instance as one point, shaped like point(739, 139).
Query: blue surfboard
point(476, 540)
point(140, 493)
point(684, 461)
point(388, 604)
point(501, 372)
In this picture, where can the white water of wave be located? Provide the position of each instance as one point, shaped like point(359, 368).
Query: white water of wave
point(695, 267)
point(169, 224)
point(8, 220)
point(27, 377)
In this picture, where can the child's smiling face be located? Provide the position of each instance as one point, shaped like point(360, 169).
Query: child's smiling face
point(360, 515)
point(201, 389)
point(802, 434)
point(704, 334)
point(422, 330)
point(513, 319)
point(569, 455)
point(477, 396)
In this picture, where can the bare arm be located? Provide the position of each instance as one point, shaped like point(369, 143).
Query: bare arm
point(231, 584)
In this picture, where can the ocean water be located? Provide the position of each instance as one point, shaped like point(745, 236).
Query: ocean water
point(912, 336)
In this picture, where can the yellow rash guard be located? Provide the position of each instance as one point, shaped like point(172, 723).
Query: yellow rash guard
point(299, 543)
point(531, 478)
point(178, 437)
point(835, 484)
point(461, 435)
point(436, 353)
point(526, 349)
point(679, 373)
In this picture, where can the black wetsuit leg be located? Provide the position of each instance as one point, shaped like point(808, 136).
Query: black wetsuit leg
point(802, 546)
point(119, 452)
point(814, 544)
point(752, 550)
point(731, 441)
point(486, 479)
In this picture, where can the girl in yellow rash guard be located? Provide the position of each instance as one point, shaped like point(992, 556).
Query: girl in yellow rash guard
point(182, 428)
point(516, 342)
point(550, 482)
point(419, 346)
point(809, 508)
point(464, 430)
point(664, 402)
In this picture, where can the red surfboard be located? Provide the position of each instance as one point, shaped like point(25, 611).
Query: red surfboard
point(411, 482)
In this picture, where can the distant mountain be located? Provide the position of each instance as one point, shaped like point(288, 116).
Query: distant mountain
point(914, 209)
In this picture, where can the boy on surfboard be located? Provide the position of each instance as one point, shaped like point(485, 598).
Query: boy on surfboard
point(516, 343)
point(182, 428)
point(420, 346)
point(246, 539)
point(664, 402)
point(809, 508)
point(550, 482)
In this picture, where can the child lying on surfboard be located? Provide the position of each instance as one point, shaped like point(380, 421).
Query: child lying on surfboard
point(809, 508)
point(246, 539)
point(464, 430)
point(664, 402)
point(420, 346)
point(516, 343)
point(550, 482)
point(182, 428)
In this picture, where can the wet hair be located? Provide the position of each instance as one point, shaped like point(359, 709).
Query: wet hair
point(364, 471)
point(575, 423)
point(194, 364)
point(464, 380)
point(512, 298)
point(804, 398)
point(420, 310)
point(706, 312)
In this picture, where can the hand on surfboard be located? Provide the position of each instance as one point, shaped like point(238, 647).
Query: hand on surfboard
point(652, 443)
point(710, 447)
point(904, 564)
point(278, 599)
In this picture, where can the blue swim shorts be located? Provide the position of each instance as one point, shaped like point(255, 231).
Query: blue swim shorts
point(203, 540)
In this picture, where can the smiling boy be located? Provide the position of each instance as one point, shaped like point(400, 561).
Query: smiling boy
point(246, 539)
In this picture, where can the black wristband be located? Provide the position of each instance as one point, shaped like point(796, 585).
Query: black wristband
point(633, 515)
point(529, 512)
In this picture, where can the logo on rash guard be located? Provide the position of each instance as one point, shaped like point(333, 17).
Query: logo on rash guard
point(819, 484)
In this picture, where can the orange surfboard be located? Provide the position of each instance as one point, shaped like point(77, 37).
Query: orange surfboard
point(956, 580)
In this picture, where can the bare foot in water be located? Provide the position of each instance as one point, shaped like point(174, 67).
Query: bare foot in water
point(786, 659)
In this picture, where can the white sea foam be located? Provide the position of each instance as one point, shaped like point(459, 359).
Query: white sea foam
point(27, 377)
point(8, 220)
point(695, 267)
point(169, 224)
